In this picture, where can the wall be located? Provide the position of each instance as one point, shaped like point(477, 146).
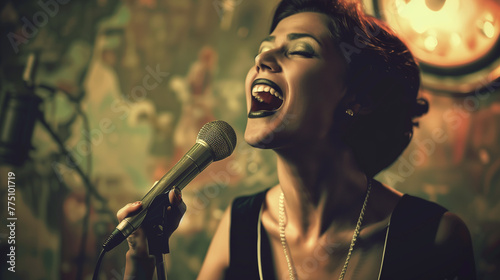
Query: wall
point(147, 74)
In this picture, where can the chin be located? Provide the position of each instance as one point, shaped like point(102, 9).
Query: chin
point(258, 134)
point(266, 133)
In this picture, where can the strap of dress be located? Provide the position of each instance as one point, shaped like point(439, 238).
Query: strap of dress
point(411, 238)
point(243, 237)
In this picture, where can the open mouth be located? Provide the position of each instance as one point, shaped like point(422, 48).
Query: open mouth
point(267, 98)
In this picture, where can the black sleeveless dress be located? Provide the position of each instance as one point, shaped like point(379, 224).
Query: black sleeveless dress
point(413, 226)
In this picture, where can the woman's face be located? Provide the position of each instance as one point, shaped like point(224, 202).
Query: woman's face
point(296, 84)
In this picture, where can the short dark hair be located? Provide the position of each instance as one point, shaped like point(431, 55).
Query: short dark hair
point(381, 74)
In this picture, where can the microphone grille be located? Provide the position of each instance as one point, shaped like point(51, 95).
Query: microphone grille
point(221, 138)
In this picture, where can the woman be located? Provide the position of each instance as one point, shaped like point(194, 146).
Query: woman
point(334, 93)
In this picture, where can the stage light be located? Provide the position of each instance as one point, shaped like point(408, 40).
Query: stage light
point(457, 42)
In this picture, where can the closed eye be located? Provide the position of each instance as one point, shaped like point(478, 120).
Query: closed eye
point(302, 49)
point(302, 53)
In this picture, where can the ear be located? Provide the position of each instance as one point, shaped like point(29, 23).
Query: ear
point(363, 107)
point(359, 98)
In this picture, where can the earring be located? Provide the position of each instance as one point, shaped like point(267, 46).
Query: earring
point(350, 112)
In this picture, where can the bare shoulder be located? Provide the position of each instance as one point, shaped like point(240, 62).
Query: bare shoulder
point(217, 259)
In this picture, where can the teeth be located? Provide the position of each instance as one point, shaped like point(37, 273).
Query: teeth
point(264, 88)
point(275, 93)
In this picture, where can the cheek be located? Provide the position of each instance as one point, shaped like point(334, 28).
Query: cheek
point(316, 91)
point(318, 94)
point(248, 82)
point(328, 88)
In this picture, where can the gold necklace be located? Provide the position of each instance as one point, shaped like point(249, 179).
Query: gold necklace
point(281, 216)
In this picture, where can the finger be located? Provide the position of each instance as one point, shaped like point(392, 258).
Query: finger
point(175, 196)
point(128, 210)
point(175, 212)
point(137, 243)
point(182, 208)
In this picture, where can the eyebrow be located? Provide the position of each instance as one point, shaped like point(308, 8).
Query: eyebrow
point(293, 36)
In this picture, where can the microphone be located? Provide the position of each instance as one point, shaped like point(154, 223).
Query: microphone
point(216, 140)
point(18, 114)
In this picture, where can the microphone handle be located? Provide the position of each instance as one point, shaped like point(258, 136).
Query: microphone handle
point(183, 172)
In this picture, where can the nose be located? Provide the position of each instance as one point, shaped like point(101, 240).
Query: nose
point(267, 61)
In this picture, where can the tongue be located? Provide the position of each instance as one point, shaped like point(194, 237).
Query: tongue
point(269, 102)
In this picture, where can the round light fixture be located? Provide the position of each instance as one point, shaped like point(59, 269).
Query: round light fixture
point(457, 42)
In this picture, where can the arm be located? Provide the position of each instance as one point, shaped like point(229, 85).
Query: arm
point(217, 258)
point(138, 263)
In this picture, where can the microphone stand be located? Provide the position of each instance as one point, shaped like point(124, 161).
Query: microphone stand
point(157, 232)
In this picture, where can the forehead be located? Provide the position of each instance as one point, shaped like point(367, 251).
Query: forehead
point(312, 23)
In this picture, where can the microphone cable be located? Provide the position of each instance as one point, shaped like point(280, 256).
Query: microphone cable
point(98, 264)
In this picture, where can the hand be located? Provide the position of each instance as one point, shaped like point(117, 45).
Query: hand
point(138, 261)
point(137, 240)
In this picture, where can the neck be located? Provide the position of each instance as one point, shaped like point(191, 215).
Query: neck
point(323, 188)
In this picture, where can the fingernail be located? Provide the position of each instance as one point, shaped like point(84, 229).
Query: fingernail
point(136, 203)
point(178, 194)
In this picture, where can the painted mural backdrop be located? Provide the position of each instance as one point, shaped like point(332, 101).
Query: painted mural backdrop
point(136, 80)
